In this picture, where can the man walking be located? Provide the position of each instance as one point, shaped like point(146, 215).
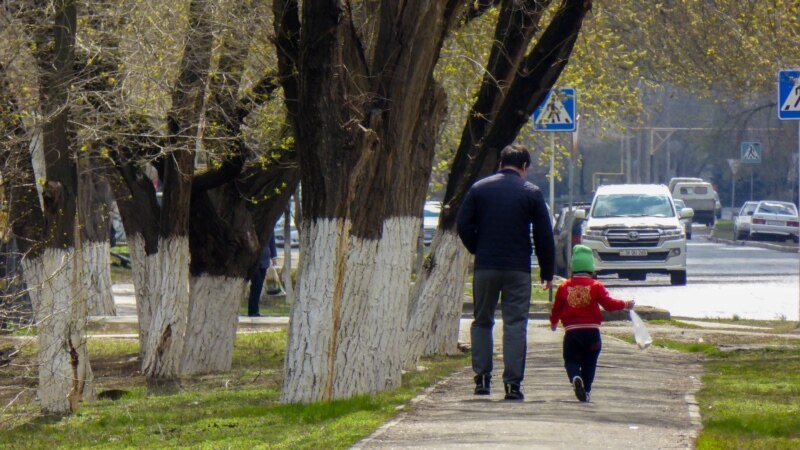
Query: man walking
point(494, 223)
point(268, 256)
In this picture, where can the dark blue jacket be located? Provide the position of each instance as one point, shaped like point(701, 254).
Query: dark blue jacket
point(494, 223)
point(267, 253)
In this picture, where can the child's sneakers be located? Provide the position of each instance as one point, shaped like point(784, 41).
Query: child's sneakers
point(580, 390)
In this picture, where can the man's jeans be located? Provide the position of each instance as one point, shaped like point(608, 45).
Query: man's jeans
point(513, 289)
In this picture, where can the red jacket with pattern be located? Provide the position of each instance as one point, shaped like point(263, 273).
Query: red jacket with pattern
point(578, 302)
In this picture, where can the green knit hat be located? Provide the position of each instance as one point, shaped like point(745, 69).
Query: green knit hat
point(582, 259)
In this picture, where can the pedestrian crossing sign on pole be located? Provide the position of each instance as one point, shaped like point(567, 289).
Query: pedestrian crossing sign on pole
point(557, 111)
point(751, 152)
point(789, 94)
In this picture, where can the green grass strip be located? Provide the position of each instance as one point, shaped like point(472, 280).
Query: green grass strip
point(239, 409)
point(751, 400)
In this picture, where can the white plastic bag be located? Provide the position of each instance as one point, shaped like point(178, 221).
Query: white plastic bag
point(643, 339)
point(274, 286)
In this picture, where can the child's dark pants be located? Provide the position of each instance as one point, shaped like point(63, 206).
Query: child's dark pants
point(581, 350)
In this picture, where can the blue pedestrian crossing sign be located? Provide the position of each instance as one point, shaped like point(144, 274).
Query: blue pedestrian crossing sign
point(557, 111)
point(789, 94)
point(751, 152)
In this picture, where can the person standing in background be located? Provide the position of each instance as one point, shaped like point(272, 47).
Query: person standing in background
point(269, 254)
point(494, 223)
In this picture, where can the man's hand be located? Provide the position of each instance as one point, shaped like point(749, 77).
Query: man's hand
point(274, 261)
point(547, 285)
point(630, 304)
point(553, 327)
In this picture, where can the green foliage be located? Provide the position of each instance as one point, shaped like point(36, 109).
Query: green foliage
point(604, 68)
point(734, 46)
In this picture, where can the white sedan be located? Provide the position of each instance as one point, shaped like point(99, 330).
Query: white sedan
point(776, 219)
point(741, 220)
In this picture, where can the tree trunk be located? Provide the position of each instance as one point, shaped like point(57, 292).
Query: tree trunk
point(93, 213)
point(437, 297)
point(144, 273)
point(213, 319)
point(345, 333)
point(497, 115)
point(64, 372)
point(165, 337)
point(96, 267)
point(65, 377)
point(359, 111)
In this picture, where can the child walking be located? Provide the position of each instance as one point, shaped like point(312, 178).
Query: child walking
point(577, 306)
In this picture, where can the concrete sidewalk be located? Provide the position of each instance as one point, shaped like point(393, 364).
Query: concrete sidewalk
point(640, 400)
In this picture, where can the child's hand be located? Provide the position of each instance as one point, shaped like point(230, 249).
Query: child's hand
point(630, 304)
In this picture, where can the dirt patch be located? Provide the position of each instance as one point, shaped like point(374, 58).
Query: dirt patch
point(19, 374)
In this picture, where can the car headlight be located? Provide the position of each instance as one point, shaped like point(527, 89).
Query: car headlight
point(674, 233)
point(593, 235)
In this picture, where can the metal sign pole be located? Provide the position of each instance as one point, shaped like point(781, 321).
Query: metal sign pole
point(552, 173)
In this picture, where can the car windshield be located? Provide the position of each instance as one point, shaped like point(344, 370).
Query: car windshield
point(786, 209)
point(429, 213)
point(632, 205)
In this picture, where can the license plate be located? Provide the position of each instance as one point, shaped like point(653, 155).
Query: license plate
point(777, 223)
point(633, 252)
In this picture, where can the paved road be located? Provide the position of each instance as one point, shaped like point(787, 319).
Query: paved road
point(641, 400)
point(724, 281)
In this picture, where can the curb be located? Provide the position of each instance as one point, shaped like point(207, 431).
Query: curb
point(767, 245)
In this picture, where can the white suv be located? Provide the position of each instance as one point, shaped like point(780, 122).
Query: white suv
point(634, 229)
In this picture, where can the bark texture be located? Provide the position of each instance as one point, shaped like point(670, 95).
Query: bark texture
point(146, 283)
point(93, 215)
point(354, 343)
point(439, 297)
point(360, 98)
point(96, 266)
point(164, 349)
point(213, 320)
point(65, 377)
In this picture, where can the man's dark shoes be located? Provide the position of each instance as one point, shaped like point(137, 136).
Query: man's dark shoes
point(513, 392)
point(482, 384)
point(580, 390)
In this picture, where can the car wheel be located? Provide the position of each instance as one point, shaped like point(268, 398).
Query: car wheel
point(678, 278)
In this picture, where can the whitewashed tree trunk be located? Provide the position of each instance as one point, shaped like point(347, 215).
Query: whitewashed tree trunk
point(437, 300)
point(65, 376)
point(96, 261)
point(146, 281)
point(213, 319)
point(351, 294)
point(164, 349)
